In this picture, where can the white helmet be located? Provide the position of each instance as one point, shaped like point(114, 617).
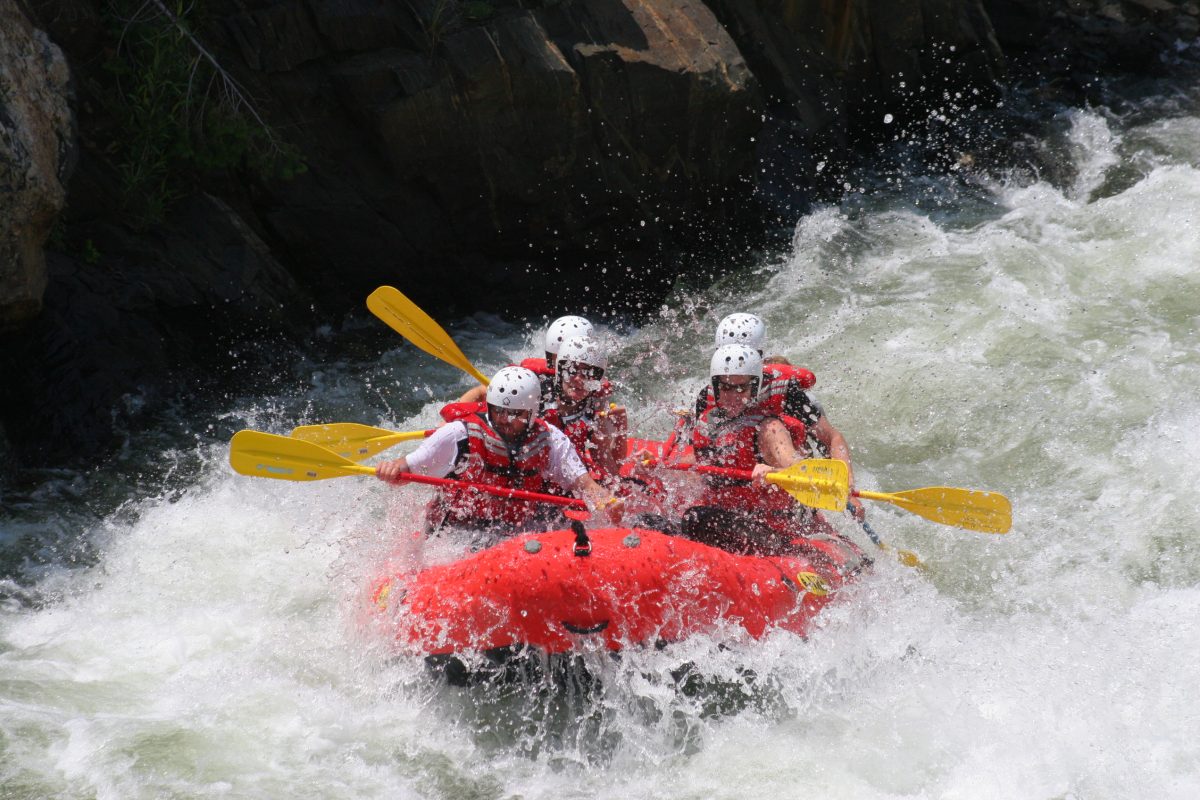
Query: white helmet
point(583, 350)
point(516, 389)
point(744, 329)
point(564, 328)
point(735, 359)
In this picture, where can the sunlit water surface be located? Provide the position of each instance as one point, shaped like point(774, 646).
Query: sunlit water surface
point(174, 630)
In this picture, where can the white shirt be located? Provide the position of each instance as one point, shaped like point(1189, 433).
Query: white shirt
point(437, 454)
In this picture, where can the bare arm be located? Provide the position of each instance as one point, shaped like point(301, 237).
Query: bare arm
point(435, 456)
point(833, 441)
point(835, 444)
point(775, 444)
point(610, 438)
point(476, 394)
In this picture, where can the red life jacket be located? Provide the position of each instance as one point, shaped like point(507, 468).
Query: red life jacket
point(734, 444)
point(484, 457)
point(580, 428)
point(774, 396)
point(453, 412)
point(802, 376)
point(771, 400)
point(538, 366)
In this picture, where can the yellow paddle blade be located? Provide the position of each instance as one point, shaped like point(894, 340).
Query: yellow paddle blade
point(352, 440)
point(265, 455)
point(405, 318)
point(816, 482)
point(989, 512)
point(906, 557)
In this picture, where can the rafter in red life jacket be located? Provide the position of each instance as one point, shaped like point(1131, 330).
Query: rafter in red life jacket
point(485, 457)
point(733, 443)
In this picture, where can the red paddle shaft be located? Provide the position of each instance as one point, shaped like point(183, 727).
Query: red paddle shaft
point(498, 491)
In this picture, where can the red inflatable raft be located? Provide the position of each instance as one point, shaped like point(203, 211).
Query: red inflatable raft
point(556, 592)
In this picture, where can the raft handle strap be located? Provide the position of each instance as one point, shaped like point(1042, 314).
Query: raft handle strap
point(583, 545)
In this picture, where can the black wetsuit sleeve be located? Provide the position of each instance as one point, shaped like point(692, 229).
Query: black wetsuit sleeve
point(797, 403)
point(547, 382)
point(460, 460)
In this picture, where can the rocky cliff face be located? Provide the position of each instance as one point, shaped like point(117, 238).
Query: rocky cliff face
point(36, 150)
point(561, 135)
point(1089, 37)
point(521, 154)
point(517, 147)
point(569, 135)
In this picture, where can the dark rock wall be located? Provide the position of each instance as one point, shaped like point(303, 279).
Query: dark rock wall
point(36, 154)
point(838, 67)
point(541, 136)
point(1094, 35)
point(475, 154)
point(164, 317)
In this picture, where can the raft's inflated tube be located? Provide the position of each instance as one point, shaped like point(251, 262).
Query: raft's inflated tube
point(636, 587)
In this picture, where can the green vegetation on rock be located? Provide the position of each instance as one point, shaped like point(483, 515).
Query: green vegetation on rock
point(180, 116)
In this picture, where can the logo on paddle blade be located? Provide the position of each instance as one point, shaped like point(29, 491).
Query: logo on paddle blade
point(813, 583)
point(380, 595)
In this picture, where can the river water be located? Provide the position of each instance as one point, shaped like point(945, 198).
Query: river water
point(172, 630)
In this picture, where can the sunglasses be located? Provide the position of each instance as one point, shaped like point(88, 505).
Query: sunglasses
point(512, 413)
point(583, 371)
point(740, 388)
